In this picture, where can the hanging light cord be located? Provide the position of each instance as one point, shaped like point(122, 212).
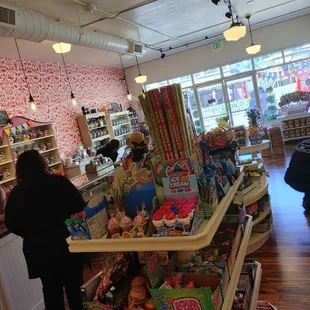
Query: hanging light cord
point(23, 69)
point(138, 65)
point(63, 59)
point(252, 41)
point(124, 74)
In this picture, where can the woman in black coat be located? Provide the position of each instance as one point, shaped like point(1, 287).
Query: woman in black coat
point(36, 211)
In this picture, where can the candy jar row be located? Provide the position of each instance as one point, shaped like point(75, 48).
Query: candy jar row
point(26, 135)
point(121, 131)
point(119, 121)
point(99, 133)
point(94, 123)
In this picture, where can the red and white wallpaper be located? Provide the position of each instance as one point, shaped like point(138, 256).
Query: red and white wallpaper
point(92, 86)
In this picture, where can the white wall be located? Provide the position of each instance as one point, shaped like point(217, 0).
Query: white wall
point(272, 38)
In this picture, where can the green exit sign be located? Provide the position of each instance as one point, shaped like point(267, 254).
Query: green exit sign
point(216, 46)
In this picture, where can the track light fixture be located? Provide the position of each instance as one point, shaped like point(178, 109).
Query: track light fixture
point(253, 48)
point(216, 2)
point(237, 30)
point(162, 55)
point(228, 15)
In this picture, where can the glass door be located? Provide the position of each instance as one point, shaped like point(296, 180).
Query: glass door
point(212, 104)
point(241, 97)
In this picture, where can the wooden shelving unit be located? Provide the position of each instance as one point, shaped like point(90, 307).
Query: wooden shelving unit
point(119, 125)
point(12, 150)
point(295, 127)
point(94, 129)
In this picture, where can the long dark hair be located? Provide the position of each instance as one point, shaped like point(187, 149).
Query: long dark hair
point(30, 166)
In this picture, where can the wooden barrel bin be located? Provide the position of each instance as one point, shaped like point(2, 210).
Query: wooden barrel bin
point(266, 153)
point(276, 141)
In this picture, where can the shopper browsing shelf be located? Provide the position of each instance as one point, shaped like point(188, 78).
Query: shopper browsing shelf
point(138, 144)
point(36, 211)
point(110, 150)
point(298, 173)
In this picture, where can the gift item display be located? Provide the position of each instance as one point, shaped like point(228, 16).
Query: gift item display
point(255, 126)
point(98, 167)
point(94, 129)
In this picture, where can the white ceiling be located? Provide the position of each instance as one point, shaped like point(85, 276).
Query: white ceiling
point(160, 24)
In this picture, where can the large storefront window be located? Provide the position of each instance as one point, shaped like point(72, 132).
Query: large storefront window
point(207, 76)
point(297, 53)
point(185, 81)
point(230, 90)
point(212, 104)
point(268, 60)
point(191, 103)
point(278, 81)
point(238, 67)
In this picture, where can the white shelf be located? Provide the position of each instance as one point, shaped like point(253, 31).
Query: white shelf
point(118, 114)
point(94, 115)
point(123, 135)
point(296, 127)
point(254, 148)
point(264, 214)
point(186, 243)
point(6, 162)
point(257, 240)
point(233, 283)
point(256, 288)
point(97, 127)
point(258, 192)
point(2, 146)
point(54, 164)
point(8, 180)
point(100, 138)
point(120, 125)
point(31, 140)
point(296, 138)
point(292, 116)
point(49, 150)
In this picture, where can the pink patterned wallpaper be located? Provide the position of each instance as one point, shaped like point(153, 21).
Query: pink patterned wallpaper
point(92, 86)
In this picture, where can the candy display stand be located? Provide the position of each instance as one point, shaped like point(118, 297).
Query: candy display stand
point(93, 129)
point(254, 149)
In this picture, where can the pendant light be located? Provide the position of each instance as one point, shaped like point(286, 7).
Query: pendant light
point(62, 48)
point(73, 103)
point(253, 48)
point(32, 107)
point(130, 97)
point(237, 30)
point(140, 79)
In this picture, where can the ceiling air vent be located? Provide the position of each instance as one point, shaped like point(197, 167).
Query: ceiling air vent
point(7, 17)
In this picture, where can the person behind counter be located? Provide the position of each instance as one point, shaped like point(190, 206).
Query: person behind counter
point(110, 150)
point(138, 144)
point(36, 211)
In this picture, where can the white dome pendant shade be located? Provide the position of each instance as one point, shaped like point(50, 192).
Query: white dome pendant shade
point(253, 48)
point(62, 48)
point(140, 79)
point(236, 32)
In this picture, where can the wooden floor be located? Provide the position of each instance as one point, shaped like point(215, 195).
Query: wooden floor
point(285, 257)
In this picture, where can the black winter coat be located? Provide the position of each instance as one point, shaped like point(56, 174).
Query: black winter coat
point(36, 211)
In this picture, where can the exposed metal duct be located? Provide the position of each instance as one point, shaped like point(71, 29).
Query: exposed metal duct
point(34, 26)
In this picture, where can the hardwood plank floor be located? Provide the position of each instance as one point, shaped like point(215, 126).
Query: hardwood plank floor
point(285, 257)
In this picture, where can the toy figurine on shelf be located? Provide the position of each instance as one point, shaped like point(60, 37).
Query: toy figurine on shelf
point(40, 133)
